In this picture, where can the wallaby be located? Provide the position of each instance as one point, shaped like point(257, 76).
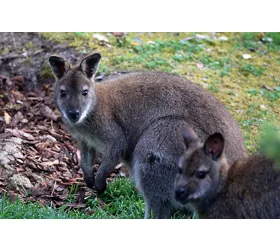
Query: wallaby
point(250, 188)
point(137, 118)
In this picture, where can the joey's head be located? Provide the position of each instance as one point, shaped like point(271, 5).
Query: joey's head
point(201, 169)
point(74, 89)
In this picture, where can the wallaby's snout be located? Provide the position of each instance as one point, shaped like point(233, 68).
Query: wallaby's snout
point(181, 194)
point(184, 188)
point(73, 115)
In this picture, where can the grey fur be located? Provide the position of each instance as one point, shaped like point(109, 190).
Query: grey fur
point(137, 118)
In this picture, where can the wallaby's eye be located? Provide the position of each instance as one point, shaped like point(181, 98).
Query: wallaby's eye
point(85, 92)
point(201, 174)
point(180, 170)
point(62, 93)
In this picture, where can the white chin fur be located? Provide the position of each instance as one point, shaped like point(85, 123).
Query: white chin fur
point(84, 114)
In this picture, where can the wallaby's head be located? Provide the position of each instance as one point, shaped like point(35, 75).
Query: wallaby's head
point(201, 168)
point(74, 89)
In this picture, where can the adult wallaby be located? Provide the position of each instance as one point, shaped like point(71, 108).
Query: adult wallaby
point(137, 118)
point(250, 188)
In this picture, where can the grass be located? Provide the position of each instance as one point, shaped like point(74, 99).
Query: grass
point(250, 89)
point(121, 201)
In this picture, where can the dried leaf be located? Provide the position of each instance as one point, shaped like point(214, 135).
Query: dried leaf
point(17, 118)
point(246, 56)
point(101, 38)
point(47, 112)
point(267, 88)
point(200, 65)
point(7, 117)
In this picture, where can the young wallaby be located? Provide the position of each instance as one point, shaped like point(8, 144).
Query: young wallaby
point(250, 188)
point(137, 119)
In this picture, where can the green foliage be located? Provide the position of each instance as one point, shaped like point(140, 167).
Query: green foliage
point(120, 201)
point(270, 142)
point(273, 95)
point(251, 40)
point(20, 210)
point(275, 36)
point(248, 69)
point(150, 55)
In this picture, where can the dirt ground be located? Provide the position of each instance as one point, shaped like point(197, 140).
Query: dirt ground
point(38, 159)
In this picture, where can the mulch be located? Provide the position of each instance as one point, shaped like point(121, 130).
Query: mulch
point(49, 157)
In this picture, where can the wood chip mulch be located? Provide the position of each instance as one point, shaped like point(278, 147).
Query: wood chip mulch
point(47, 167)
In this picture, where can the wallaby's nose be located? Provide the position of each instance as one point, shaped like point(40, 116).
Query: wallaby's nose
point(73, 115)
point(179, 193)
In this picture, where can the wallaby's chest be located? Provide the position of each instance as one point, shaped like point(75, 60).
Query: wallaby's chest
point(89, 138)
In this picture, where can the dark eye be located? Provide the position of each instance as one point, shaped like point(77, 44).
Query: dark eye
point(85, 92)
point(180, 170)
point(200, 174)
point(62, 93)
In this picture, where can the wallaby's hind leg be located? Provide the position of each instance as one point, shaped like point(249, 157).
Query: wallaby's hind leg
point(147, 211)
point(155, 181)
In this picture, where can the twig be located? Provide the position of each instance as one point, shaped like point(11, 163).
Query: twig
point(14, 40)
point(53, 188)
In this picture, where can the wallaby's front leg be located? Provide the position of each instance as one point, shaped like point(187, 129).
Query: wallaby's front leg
point(87, 158)
point(107, 166)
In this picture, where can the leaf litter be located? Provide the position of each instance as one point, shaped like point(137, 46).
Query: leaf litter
point(39, 161)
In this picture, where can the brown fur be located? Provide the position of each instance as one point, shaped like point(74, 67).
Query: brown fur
point(250, 188)
point(138, 118)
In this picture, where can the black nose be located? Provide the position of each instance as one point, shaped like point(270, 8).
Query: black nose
point(179, 193)
point(73, 115)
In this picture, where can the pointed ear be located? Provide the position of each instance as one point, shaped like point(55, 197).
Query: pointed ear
point(189, 136)
point(59, 66)
point(214, 146)
point(90, 64)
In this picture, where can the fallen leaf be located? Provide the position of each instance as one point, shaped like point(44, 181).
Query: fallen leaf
point(119, 34)
point(47, 112)
point(17, 118)
point(7, 117)
point(50, 163)
point(200, 65)
point(222, 38)
point(101, 38)
point(267, 88)
point(21, 134)
point(246, 56)
point(199, 36)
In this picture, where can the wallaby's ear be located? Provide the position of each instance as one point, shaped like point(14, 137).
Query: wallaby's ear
point(214, 146)
point(89, 65)
point(189, 136)
point(59, 66)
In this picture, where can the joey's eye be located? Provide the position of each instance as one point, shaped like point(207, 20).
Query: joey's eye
point(201, 174)
point(85, 92)
point(180, 170)
point(62, 93)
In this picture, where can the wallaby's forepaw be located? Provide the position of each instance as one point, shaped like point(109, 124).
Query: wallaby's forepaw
point(89, 182)
point(100, 186)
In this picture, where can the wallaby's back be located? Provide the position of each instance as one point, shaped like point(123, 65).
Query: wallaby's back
point(149, 96)
point(252, 190)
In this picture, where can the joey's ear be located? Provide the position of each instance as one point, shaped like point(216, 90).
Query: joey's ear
point(190, 137)
point(59, 66)
point(214, 146)
point(89, 65)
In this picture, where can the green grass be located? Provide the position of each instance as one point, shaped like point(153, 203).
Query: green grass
point(120, 201)
point(250, 89)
